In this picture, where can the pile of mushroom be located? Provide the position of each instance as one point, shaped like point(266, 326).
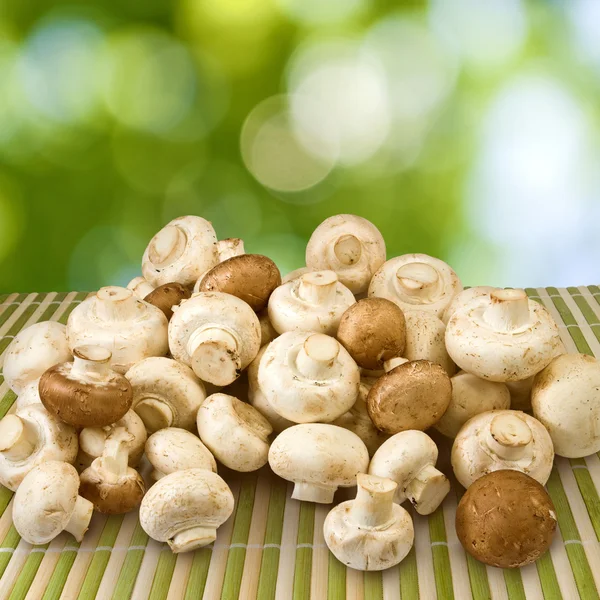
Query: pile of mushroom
point(332, 376)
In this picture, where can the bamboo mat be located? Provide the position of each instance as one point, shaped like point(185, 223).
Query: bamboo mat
point(272, 547)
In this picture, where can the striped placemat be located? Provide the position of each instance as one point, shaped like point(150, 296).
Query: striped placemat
point(272, 547)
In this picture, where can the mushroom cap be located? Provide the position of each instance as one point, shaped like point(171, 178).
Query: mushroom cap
point(83, 400)
point(54, 441)
point(32, 351)
point(295, 274)
point(30, 394)
point(416, 282)
point(349, 245)
point(401, 458)
point(207, 310)
point(37, 517)
point(111, 497)
point(181, 251)
point(319, 453)
point(373, 330)
point(140, 287)
point(174, 449)
point(319, 309)
point(473, 456)
point(167, 296)
point(478, 347)
point(183, 500)
point(235, 432)
point(471, 396)
point(413, 395)
point(463, 298)
point(566, 399)
point(506, 519)
point(115, 319)
point(250, 277)
point(166, 393)
point(425, 339)
point(303, 396)
point(267, 331)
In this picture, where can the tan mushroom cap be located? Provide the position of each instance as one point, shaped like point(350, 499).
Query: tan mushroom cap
point(167, 296)
point(373, 330)
point(250, 277)
point(414, 395)
point(506, 519)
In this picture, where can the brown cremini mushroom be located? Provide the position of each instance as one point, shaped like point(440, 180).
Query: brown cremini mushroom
point(373, 330)
point(506, 519)
point(167, 296)
point(86, 392)
point(413, 395)
point(251, 277)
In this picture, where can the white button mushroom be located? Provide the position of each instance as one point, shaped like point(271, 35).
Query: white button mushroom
point(313, 302)
point(235, 432)
point(185, 509)
point(180, 252)
point(40, 517)
point(30, 437)
point(503, 336)
point(32, 351)
point(308, 377)
point(30, 394)
point(409, 459)
point(115, 319)
point(257, 399)
point(425, 339)
point(463, 298)
point(166, 393)
point(140, 287)
point(92, 440)
point(416, 282)
point(566, 399)
point(499, 440)
point(370, 533)
point(349, 245)
point(109, 483)
point(471, 396)
point(267, 331)
point(318, 458)
point(227, 248)
point(173, 449)
point(295, 274)
point(217, 334)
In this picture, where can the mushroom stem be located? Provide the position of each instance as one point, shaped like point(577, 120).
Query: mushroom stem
point(392, 363)
point(427, 490)
point(508, 311)
point(167, 245)
point(17, 440)
point(509, 436)
point(214, 355)
point(80, 519)
point(318, 288)
point(317, 356)
point(140, 287)
point(116, 304)
point(312, 492)
point(373, 505)
point(348, 249)
point(417, 279)
point(90, 362)
point(155, 413)
point(114, 460)
point(190, 539)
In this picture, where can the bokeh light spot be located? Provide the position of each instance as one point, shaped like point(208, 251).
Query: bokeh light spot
point(12, 218)
point(317, 12)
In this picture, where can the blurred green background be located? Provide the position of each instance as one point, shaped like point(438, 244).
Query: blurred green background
point(464, 129)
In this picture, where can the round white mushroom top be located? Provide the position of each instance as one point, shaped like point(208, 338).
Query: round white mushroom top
point(463, 298)
point(416, 281)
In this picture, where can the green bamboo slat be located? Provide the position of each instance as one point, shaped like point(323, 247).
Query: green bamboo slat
point(3, 297)
point(7, 401)
point(575, 552)
point(97, 566)
point(10, 542)
point(61, 571)
point(586, 310)
point(548, 580)
point(79, 298)
point(50, 310)
point(267, 581)
point(239, 538)
point(441, 558)
point(303, 566)
point(28, 571)
point(336, 579)
point(409, 578)
point(131, 565)
point(60, 296)
point(5, 497)
point(23, 317)
point(514, 584)
point(198, 574)
point(373, 585)
point(162, 575)
point(7, 313)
